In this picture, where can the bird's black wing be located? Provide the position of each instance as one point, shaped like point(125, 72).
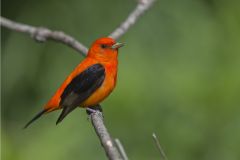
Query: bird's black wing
point(80, 88)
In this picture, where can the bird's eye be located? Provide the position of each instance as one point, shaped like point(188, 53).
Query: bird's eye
point(104, 46)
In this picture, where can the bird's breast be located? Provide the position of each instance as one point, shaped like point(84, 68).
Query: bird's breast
point(105, 89)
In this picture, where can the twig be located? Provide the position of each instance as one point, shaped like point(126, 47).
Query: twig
point(143, 5)
point(121, 149)
point(163, 155)
point(43, 34)
point(106, 141)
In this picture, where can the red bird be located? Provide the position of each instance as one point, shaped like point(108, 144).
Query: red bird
point(89, 83)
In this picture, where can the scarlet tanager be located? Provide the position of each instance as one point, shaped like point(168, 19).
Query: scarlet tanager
point(89, 83)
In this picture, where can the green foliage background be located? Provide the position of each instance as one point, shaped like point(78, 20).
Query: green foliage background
point(179, 76)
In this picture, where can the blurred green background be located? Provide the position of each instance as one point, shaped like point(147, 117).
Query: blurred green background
point(179, 76)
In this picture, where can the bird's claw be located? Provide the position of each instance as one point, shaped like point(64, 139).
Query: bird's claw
point(94, 110)
point(90, 110)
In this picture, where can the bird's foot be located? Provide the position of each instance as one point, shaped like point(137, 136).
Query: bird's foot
point(90, 110)
point(94, 110)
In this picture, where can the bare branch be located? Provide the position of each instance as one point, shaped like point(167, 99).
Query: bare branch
point(121, 149)
point(106, 141)
point(42, 34)
point(143, 5)
point(163, 155)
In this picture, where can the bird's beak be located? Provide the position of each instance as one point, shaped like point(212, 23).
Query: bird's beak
point(117, 45)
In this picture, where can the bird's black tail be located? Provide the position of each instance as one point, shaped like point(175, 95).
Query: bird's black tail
point(36, 117)
point(64, 113)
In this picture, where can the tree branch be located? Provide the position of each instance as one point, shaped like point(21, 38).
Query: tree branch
point(121, 149)
point(143, 5)
point(159, 147)
point(105, 138)
point(43, 34)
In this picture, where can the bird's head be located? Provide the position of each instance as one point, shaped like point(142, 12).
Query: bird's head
point(104, 49)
